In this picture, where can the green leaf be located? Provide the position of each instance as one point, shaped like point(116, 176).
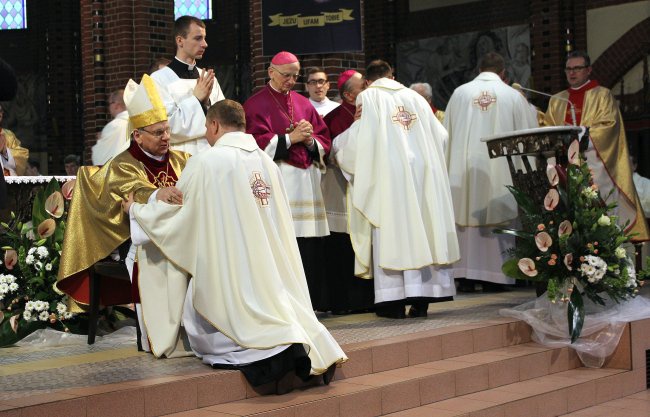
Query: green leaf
point(519, 233)
point(575, 314)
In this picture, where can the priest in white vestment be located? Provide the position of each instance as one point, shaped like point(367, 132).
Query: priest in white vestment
point(115, 137)
point(400, 214)
point(483, 107)
point(188, 90)
point(247, 302)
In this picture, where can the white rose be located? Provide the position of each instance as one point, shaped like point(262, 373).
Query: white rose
point(31, 251)
point(604, 221)
point(29, 259)
point(42, 252)
point(620, 252)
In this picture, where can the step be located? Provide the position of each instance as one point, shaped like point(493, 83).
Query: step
point(551, 395)
point(407, 387)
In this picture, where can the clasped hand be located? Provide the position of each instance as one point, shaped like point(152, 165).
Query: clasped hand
point(302, 133)
point(170, 195)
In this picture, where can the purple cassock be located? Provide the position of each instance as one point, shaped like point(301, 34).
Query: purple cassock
point(270, 113)
point(340, 119)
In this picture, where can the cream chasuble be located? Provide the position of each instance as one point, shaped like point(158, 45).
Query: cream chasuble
point(483, 107)
point(114, 139)
point(185, 113)
point(234, 236)
point(394, 158)
point(607, 155)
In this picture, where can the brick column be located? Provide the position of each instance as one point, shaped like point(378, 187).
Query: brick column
point(119, 40)
point(333, 64)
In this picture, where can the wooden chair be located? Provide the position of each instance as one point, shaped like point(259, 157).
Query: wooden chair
point(114, 270)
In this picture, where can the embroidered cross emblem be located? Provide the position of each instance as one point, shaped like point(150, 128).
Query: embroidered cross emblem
point(404, 117)
point(484, 101)
point(261, 191)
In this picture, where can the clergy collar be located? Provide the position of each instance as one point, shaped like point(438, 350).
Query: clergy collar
point(387, 83)
point(319, 103)
point(240, 140)
point(152, 156)
point(190, 67)
point(582, 86)
point(489, 76)
point(276, 91)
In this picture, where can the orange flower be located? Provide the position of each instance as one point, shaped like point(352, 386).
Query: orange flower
point(527, 266)
point(54, 204)
point(541, 227)
point(543, 241)
point(552, 199)
point(46, 228)
point(68, 188)
point(551, 262)
point(574, 153)
point(11, 258)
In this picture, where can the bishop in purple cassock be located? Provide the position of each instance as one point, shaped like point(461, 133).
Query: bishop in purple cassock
point(288, 128)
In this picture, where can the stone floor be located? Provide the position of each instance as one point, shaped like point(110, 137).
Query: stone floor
point(39, 369)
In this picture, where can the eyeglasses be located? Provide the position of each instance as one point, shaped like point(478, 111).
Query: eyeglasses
point(317, 82)
point(158, 134)
point(286, 74)
point(575, 69)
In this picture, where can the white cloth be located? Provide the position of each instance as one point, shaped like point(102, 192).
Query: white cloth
point(642, 185)
point(394, 159)
point(334, 189)
point(304, 192)
point(483, 107)
point(114, 139)
point(324, 106)
point(242, 256)
point(185, 113)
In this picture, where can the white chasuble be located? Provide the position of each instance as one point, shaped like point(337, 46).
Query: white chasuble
point(394, 159)
point(234, 237)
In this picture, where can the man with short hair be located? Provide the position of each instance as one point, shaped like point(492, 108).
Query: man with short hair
point(33, 168)
point(96, 225)
point(607, 154)
point(424, 89)
point(483, 107)
point(317, 86)
point(288, 128)
point(13, 157)
point(348, 293)
point(188, 91)
point(247, 305)
point(114, 137)
point(399, 206)
point(71, 163)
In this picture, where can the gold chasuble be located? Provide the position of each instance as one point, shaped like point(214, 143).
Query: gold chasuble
point(597, 109)
point(96, 223)
point(19, 153)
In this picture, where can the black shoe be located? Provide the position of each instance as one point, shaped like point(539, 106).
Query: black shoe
point(418, 310)
point(392, 312)
point(329, 374)
point(284, 385)
point(493, 287)
point(465, 285)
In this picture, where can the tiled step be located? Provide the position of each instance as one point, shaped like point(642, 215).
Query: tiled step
point(407, 387)
point(550, 395)
point(188, 391)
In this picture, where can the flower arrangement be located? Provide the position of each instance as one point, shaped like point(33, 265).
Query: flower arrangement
point(28, 298)
point(572, 243)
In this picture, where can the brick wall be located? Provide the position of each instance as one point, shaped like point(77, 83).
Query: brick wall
point(333, 64)
point(120, 39)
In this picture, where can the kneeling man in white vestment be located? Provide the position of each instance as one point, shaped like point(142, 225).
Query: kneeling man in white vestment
point(246, 305)
point(400, 214)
